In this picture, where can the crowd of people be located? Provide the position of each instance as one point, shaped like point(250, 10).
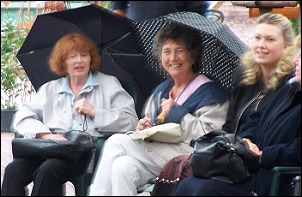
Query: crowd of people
point(264, 108)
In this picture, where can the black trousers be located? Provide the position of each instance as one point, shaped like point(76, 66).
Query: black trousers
point(47, 175)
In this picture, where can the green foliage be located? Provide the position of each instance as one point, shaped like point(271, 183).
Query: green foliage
point(295, 24)
point(106, 4)
point(13, 76)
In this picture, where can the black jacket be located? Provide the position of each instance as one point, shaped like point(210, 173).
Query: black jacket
point(277, 132)
point(241, 97)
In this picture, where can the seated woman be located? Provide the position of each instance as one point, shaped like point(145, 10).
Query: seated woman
point(81, 99)
point(188, 98)
point(273, 134)
point(260, 73)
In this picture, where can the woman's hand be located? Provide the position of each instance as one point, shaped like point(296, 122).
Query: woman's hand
point(51, 136)
point(83, 107)
point(166, 104)
point(253, 148)
point(144, 123)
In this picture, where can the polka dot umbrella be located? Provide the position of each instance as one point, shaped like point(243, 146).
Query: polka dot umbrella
point(221, 48)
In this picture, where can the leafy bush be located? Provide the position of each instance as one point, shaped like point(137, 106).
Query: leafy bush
point(13, 77)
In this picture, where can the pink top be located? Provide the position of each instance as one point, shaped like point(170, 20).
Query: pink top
point(190, 88)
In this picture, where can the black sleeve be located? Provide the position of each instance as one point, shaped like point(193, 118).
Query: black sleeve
point(196, 6)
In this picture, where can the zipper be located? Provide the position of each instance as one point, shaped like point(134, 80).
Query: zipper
point(244, 108)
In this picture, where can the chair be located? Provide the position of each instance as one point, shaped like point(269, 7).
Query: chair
point(130, 89)
point(297, 186)
point(278, 171)
point(215, 15)
point(82, 182)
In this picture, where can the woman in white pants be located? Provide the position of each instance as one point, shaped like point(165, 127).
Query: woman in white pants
point(188, 98)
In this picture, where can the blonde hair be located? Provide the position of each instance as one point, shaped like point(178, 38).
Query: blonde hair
point(73, 41)
point(284, 66)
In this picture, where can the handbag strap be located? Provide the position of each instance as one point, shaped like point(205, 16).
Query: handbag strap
point(238, 116)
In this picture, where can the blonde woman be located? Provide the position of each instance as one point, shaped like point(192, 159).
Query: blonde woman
point(267, 65)
point(297, 61)
point(273, 133)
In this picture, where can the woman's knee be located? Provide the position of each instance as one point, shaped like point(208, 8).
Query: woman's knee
point(18, 167)
point(117, 140)
point(124, 165)
point(11, 168)
point(54, 168)
point(19, 171)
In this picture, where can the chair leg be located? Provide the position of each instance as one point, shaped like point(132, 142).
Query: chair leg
point(82, 182)
point(64, 188)
point(26, 191)
point(297, 186)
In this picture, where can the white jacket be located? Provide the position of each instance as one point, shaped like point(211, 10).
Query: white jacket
point(51, 110)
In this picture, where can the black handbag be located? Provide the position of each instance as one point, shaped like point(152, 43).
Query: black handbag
point(79, 143)
point(222, 156)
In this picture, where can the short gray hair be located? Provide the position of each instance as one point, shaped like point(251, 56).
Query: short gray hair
point(175, 31)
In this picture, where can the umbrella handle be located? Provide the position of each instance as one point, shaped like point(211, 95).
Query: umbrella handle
point(162, 116)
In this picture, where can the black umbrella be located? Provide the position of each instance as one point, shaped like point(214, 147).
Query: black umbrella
point(118, 45)
point(222, 49)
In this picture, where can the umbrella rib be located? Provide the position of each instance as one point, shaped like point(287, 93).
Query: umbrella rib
point(114, 41)
point(115, 62)
point(124, 54)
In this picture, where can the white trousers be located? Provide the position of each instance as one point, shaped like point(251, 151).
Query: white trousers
point(122, 168)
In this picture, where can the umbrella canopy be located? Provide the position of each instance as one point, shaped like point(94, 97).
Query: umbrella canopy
point(121, 54)
point(222, 49)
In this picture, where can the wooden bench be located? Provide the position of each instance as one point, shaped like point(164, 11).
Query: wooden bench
point(290, 9)
point(290, 12)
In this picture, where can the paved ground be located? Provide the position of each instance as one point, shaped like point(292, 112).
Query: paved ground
point(242, 26)
point(236, 18)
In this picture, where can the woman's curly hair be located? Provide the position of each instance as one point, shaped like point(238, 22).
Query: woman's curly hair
point(285, 66)
point(69, 42)
point(179, 32)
